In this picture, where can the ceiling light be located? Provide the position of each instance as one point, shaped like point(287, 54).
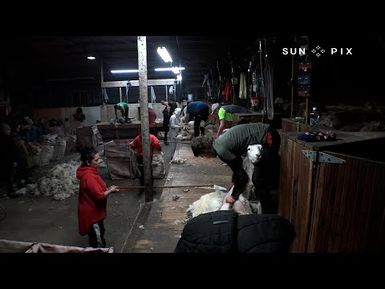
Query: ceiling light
point(162, 51)
point(91, 57)
point(125, 71)
point(174, 69)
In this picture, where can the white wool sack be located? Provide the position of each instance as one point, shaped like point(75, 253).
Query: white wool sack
point(36, 151)
point(158, 167)
point(46, 154)
point(59, 149)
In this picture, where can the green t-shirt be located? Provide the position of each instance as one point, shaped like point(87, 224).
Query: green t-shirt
point(226, 112)
point(235, 141)
point(122, 104)
point(223, 114)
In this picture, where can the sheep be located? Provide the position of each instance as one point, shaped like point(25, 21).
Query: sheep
point(215, 200)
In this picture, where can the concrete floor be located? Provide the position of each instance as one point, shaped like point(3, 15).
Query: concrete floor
point(42, 219)
point(159, 230)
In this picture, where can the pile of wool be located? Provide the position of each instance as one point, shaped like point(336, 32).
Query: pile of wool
point(207, 203)
point(178, 160)
point(61, 181)
point(187, 131)
point(28, 189)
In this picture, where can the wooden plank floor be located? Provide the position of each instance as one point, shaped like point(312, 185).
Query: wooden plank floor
point(161, 230)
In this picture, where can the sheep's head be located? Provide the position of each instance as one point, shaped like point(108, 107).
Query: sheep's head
point(254, 153)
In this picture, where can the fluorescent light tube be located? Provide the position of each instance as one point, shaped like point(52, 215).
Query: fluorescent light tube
point(162, 51)
point(125, 71)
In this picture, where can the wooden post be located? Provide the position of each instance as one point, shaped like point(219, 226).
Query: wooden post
point(101, 81)
point(143, 100)
point(292, 88)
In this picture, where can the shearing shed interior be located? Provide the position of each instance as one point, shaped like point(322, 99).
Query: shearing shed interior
point(156, 143)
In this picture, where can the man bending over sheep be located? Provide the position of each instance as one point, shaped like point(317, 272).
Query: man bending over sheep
point(230, 147)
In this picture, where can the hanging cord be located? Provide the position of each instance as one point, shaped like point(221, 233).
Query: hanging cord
point(219, 82)
point(180, 64)
point(262, 78)
point(128, 85)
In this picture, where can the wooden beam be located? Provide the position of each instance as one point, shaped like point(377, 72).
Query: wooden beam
point(209, 186)
point(150, 82)
point(143, 99)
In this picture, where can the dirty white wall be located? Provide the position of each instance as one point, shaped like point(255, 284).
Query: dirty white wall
point(103, 113)
point(92, 113)
point(108, 112)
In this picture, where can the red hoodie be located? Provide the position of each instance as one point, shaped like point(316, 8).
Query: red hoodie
point(92, 205)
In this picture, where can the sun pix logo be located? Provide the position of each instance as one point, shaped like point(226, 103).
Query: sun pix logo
point(318, 51)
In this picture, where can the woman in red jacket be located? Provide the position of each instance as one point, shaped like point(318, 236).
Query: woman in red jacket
point(93, 192)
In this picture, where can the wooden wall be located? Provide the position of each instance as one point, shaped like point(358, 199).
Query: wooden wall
point(334, 208)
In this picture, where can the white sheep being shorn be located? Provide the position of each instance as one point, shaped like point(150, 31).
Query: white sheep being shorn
point(246, 204)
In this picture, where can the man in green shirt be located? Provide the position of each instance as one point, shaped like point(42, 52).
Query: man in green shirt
point(123, 107)
point(231, 145)
point(226, 116)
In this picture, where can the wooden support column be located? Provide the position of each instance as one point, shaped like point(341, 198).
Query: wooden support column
point(143, 100)
point(292, 88)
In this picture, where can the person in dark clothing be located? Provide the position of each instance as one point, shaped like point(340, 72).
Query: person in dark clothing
point(23, 156)
point(79, 115)
point(8, 159)
point(166, 123)
point(224, 231)
point(170, 106)
point(93, 193)
point(231, 145)
point(197, 111)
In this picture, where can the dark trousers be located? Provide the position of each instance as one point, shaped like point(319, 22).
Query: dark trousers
point(166, 129)
point(141, 169)
point(96, 235)
point(239, 177)
point(125, 114)
point(197, 129)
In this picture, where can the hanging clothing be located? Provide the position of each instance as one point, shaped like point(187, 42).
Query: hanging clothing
point(105, 95)
point(226, 93)
point(171, 90)
point(242, 86)
point(153, 95)
point(268, 93)
point(128, 85)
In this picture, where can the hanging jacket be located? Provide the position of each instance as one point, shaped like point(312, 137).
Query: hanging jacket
point(92, 204)
point(242, 86)
point(226, 93)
